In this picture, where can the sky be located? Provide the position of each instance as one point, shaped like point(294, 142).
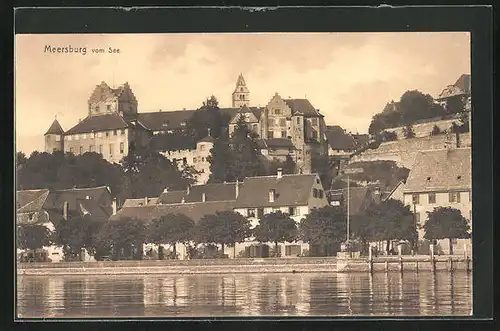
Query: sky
point(348, 76)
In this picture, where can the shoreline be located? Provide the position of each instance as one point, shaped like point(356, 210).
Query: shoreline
point(237, 266)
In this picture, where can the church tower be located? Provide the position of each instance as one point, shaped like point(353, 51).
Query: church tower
point(241, 94)
point(54, 139)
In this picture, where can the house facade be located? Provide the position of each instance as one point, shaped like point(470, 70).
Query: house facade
point(441, 178)
point(43, 207)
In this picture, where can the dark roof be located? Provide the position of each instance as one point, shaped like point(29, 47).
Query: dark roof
point(463, 83)
point(55, 128)
point(361, 139)
point(279, 143)
point(240, 81)
point(441, 170)
point(207, 139)
point(291, 190)
point(103, 92)
point(139, 202)
point(97, 123)
point(338, 139)
point(165, 120)
point(360, 198)
point(302, 106)
point(195, 211)
point(213, 192)
point(75, 196)
point(31, 200)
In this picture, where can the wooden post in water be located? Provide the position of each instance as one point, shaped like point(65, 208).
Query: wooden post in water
point(400, 263)
point(416, 266)
point(386, 266)
point(370, 259)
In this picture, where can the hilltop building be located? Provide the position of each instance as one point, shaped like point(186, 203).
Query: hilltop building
point(114, 125)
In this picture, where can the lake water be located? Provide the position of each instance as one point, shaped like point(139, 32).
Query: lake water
point(354, 294)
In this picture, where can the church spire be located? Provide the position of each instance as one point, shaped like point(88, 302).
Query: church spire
point(241, 94)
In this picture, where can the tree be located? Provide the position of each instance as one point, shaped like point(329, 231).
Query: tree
point(446, 223)
point(172, 229)
point(275, 227)
point(245, 152)
point(408, 131)
point(391, 220)
point(234, 228)
point(455, 104)
point(74, 234)
point(324, 226)
point(207, 118)
point(33, 236)
point(123, 237)
point(173, 141)
point(220, 159)
point(287, 166)
point(321, 165)
point(388, 136)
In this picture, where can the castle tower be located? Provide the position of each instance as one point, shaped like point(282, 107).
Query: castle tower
point(54, 140)
point(241, 94)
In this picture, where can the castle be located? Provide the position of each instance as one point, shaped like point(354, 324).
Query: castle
point(114, 125)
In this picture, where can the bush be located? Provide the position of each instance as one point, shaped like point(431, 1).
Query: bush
point(388, 136)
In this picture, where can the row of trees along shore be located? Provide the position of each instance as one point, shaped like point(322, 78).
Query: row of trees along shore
point(144, 171)
point(124, 239)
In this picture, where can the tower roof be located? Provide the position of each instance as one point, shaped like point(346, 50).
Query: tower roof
point(55, 128)
point(240, 81)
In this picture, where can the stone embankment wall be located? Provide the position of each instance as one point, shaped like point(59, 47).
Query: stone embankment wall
point(424, 128)
point(404, 151)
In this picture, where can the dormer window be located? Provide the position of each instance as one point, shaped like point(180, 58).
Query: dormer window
point(96, 109)
point(108, 107)
point(272, 195)
point(428, 178)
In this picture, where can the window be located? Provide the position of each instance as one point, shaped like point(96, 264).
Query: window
point(315, 192)
point(58, 138)
point(110, 149)
point(96, 109)
point(100, 149)
point(454, 197)
point(291, 211)
point(432, 197)
point(115, 132)
point(107, 134)
point(99, 134)
point(260, 212)
point(241, 89)
point(108, 107)
point(282, 121)
point(314, 121)
point(71, 150)
point(122, 132)
point(283, 134)
point(255, 127)
point(317, 180)
point(122, 148)
point(92, 135)
point(242, 97)
point(202, 171)
point(277, 111)
point(68, 138)
point(91, 148)
point(270, 134)
point(194, 159)
point(184, 160)
point(321, 194)
point(202, 147)
point(251, 212)
point(81, 149)
point(415, 199)
point(203, 159)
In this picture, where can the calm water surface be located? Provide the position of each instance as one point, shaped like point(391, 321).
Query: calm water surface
point(246, 295)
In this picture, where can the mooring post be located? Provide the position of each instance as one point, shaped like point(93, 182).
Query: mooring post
point(400, 263)
point(416, 266)
point(386, 266)
point(370, 259)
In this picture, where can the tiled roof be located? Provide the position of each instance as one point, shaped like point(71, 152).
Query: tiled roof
point(291, 190)
point(213, 192)
point(207, 139)
point(31, 200)
point(74, 196)
point(338, 139)
point(98, 123)
point(139, 202)
point(165, 120)
point(302, 106)
point(360, 198)
point(55, 128)
point(279, 143)
point(195, 211)
point(441, 170)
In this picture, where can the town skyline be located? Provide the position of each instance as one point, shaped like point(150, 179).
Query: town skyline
point(160, 70)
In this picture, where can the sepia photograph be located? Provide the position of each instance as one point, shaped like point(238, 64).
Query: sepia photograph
point(180, 175)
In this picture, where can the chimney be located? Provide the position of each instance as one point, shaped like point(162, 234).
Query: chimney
point(146, 200)
point(203, 197)
point(182, 200)
point(165, 190)
point(272, 193)
point(113, 205)
point(279, 173)
point(87, 197)
point(65, 210)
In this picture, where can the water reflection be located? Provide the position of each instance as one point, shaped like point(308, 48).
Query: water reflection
point(246, 295)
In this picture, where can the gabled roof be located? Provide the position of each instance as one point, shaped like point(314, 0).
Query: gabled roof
point(338, 139)
point(96, 123)
point(302, 106)
point(441, 170)
point(291, 190)
point(195, 211)
point(207, 139)
point(31, 200)
point(55, 128)
point(240, 81)
point(213, 192)
point(360, 198)
point(388, 195)
point(73, 196)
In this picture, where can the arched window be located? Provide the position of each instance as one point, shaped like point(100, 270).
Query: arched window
point(241, 89)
